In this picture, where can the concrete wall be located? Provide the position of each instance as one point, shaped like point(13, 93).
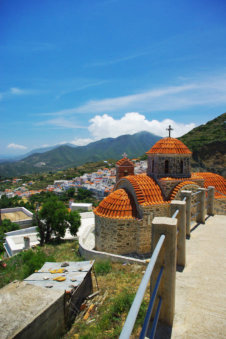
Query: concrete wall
point(49, 324)
point(23, 223)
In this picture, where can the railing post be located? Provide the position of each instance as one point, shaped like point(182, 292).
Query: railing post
point(210, 200)
point(166, 259)
point(187, 194)
point(200, 218)
point(181, 226)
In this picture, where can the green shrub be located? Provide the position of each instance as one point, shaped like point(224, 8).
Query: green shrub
point(102, 267)
point(23, 264)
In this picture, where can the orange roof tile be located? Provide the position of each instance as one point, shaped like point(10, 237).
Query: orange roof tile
point(179, 186)
point(125, 161)
point(116, 205)
point(194, 175)
point(147, 190)
point(216, 180)
point(169, 146)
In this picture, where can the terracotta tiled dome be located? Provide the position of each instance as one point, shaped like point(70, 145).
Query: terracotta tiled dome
point(216, 180)
point(116, 205)
point(179, 186)
point(169, 146)
point(147, 190)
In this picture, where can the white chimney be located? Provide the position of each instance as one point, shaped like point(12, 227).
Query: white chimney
point(26, 243)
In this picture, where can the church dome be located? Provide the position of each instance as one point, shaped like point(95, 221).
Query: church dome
point(169, 146)
point(118, 205)
point(216, 180)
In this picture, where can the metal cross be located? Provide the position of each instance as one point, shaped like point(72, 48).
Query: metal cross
point(169, 129)
point(124, 155)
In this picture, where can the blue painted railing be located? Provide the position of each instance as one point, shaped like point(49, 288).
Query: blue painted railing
point(132, 315)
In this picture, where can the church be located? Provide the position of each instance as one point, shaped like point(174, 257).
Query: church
point(123, 219)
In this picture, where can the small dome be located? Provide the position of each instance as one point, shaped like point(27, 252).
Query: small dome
point(216, 180)
point(169, 146)
point(147, 190)
point(118, 205)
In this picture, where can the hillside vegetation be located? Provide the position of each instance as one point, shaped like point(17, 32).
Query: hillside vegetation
point(208, 144)
point(65, 156)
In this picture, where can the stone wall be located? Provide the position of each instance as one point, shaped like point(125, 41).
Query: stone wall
point(116, 235)
point(167, 186)
point(174, 168)
point(124, 236)
point(149, 212)
point(220, 206)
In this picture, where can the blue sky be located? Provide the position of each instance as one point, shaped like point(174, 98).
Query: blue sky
point(77, 71)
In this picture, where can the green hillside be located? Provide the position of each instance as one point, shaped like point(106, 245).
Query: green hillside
point(65, 156)
point(208, 144)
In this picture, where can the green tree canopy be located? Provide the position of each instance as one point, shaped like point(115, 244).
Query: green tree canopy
point(84, 194)
point(53, 219)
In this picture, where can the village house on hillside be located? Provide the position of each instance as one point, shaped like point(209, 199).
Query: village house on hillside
point(123, 219)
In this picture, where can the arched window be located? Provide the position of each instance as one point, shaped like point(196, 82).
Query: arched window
point(153, 166)
point(125, 173)
point(166, 166)
point(181, 166)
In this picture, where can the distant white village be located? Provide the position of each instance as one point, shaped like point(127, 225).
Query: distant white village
point(101, 183)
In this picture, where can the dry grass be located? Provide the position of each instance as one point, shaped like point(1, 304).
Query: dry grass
point(117, 284)
point(117, 290)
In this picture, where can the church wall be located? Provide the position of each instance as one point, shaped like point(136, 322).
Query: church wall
point(174, 166)
point(126, 236)
point(167, 186)
point(144, 232)
point(116, 235)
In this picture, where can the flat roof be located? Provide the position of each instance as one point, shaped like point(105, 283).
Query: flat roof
point(74, 273)
point(15, 216)
point(82, 204)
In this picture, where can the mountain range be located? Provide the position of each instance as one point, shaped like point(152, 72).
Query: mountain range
point(207, 142)
point(65, 156)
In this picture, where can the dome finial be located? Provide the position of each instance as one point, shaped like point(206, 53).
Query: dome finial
point(169, 129)
point(124, 155)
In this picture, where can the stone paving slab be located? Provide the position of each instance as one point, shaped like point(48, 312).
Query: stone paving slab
point(200, 310)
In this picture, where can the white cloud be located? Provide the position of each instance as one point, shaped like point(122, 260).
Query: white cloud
point(17, 91)
point(106, 126)
point(16, 146)
point(81, 141)
point(60, 123)
point(209, 91)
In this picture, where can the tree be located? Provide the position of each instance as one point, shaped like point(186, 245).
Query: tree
point(74, 220)
point(54, 219)
point(84, 194)
point(71, 192)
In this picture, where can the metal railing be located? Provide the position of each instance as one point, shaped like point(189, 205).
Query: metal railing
point(132, 316)
point(184, 213)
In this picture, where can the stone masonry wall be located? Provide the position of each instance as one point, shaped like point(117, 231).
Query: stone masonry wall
point(174, 169)
point(167, 186)
point(220, 206)
point(124, 236)
point(117, 236)
point(149, 212)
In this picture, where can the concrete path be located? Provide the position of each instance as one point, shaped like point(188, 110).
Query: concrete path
point(200, 310)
